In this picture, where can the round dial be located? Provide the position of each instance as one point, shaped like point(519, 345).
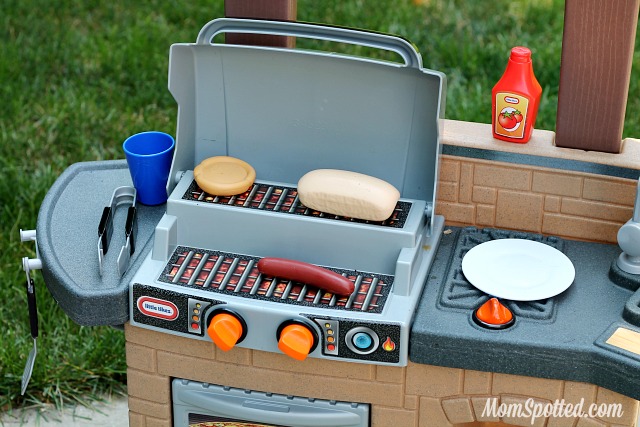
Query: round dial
point(226, 330)
point(296, 340)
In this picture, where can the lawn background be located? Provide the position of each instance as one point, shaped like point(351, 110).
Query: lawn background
point(76, 78)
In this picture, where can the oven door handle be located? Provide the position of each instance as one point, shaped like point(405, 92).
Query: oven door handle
point(396, 44)
point(270, 412)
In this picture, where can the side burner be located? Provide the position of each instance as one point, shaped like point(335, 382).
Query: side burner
point(458, 293)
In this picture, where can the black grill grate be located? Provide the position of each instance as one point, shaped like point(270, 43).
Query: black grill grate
point(238, 275)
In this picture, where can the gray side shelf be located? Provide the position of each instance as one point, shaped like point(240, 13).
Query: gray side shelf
point(67, 232)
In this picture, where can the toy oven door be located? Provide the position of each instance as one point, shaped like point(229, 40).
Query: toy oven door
point(204, 405)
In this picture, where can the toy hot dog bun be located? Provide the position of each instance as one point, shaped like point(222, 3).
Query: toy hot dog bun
point(310, 274)
point(349, 194)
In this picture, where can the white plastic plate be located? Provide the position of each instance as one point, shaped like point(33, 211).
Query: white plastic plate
point(518, 269)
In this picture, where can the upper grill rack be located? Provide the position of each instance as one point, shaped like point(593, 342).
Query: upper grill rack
point(238, 275)
point(284, 199)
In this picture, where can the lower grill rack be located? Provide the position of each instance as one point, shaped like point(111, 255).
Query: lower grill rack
point(238, 275)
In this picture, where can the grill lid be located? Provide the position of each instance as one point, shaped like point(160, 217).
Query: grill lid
point(288, 111)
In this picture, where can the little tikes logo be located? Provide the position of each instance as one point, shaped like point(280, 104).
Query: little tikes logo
point(158, 308)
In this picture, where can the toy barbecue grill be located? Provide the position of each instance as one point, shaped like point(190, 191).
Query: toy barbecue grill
point(286, 112)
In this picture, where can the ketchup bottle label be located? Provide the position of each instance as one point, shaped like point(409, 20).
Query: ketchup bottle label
point(511, 113)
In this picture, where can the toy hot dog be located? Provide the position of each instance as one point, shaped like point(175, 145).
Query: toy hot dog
point(310, 274)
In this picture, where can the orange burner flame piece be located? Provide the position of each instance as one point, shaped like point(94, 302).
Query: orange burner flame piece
point(388, 345)
point(494, 315)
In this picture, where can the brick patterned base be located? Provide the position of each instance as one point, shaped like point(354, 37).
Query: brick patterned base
point(413, 396)
point(562, 203)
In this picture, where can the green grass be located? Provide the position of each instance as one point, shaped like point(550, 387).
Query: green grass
point(76, 78)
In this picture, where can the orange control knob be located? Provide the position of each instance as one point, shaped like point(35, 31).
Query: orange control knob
point(225, 330)
point(494, 314)
point(296, 341)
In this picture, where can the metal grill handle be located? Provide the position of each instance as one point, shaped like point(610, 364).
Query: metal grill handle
point(313, 31)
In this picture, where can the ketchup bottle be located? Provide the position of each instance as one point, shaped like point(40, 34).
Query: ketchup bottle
point(515, 99)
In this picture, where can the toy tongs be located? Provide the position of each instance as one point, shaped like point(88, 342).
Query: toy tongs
point(121, 196)
point(28, 265)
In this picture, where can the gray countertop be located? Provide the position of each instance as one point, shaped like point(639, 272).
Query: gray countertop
point(565, 339)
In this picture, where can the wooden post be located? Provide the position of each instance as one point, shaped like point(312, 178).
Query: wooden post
point(282, 10)
point(597, 49)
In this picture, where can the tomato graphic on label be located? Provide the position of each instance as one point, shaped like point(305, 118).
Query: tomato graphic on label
point(517, 115)
point(510, 119)
point(507, 120)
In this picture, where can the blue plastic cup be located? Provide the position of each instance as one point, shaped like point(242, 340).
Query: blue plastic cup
point(149, 157)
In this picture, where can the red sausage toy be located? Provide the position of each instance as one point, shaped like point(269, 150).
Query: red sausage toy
point(310, 274)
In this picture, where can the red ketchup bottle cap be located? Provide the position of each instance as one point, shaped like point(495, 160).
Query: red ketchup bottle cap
point(520, 54)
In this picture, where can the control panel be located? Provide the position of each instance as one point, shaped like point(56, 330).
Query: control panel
point(277, 329)
point(362, 340)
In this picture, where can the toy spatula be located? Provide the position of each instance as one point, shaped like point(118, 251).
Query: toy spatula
point(33, 320)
